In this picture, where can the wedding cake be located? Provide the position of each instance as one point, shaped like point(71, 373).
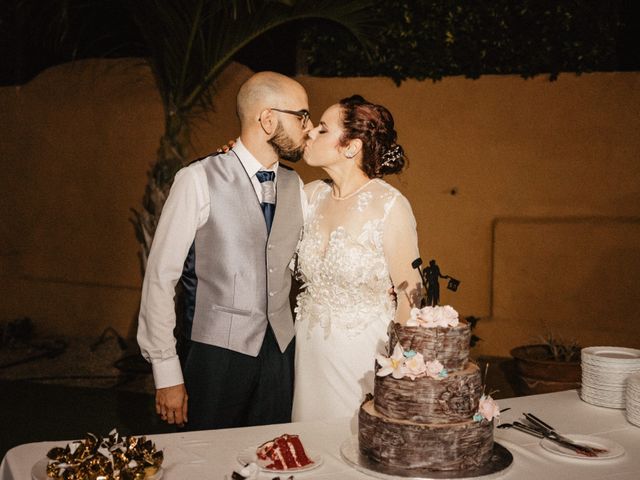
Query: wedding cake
point(428, 410)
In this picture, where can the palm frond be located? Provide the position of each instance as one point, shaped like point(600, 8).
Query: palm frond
point(233, 35)
point(190, 43)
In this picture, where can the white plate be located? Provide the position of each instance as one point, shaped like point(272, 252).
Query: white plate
point(603, 393)
point(602, 385)
point(614, 449)
point(611, 358)
point(248, 455)
point(619, 355)
point(599, 402)
point(610, 375)
point(633, 419)
point(39, 471)
point(610, 370)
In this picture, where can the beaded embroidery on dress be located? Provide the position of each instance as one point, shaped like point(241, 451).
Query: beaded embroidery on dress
point(344, 308)
point(344, 273)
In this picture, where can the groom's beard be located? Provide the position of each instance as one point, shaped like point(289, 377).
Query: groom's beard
point(285, 147)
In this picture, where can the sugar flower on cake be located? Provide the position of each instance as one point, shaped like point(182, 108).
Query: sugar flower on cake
point(414, 365)
point(432, 317)
point(487, 409)
point(393, 365)
point(436, 370)
point(416, 320)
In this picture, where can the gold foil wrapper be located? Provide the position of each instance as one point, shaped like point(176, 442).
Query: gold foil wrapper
point(108, 458)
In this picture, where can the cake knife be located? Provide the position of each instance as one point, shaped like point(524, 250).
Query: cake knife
point(549, 432)
point(579, 449)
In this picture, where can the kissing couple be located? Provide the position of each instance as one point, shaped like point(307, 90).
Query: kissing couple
point(238, 225)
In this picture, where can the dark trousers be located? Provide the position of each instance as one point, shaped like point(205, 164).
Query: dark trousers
point(230, 389)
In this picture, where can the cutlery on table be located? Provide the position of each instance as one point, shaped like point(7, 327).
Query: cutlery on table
point(579, 449)
point(237, 476)
point(521, 427)
point(549, 432)
point(541, 429)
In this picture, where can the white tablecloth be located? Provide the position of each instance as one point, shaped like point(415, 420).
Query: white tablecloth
point(212, 454)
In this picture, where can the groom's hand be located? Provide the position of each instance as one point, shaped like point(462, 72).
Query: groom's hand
point(171, 404)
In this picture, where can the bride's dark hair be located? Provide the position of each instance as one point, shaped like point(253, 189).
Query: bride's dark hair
point(373, 124)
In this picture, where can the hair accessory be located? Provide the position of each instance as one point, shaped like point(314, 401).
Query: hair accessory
point(392, 155)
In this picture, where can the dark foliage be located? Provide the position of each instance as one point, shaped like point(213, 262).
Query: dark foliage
point(419, 39)
point(436, 38)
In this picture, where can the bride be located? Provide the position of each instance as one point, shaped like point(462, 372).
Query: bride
point(359, 242)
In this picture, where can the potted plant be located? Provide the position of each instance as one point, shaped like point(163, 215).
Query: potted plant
point(549, 366)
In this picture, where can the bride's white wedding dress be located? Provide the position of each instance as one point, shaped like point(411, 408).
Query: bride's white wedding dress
point(351, 249)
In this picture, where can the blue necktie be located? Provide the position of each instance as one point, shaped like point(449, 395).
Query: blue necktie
point(268, 196)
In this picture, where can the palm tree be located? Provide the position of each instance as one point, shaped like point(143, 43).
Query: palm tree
point(190, 44)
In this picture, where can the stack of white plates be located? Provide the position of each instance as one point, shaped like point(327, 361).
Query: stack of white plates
point(604, 374)
point(633, 399)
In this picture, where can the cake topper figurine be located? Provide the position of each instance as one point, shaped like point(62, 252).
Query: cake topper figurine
point(430, 280)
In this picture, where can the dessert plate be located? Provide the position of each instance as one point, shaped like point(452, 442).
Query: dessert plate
point(248, 455)
point(602, 398)
point(39, 471)
point(615, 450)
point(618, 355)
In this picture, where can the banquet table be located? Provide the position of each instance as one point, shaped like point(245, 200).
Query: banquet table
point(212, 454)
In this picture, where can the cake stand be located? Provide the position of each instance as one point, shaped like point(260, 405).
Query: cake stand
point(500, 461)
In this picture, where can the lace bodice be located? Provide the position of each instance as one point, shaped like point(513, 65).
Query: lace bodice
point(353, 250)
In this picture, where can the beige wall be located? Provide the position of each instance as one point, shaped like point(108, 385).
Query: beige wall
point(543, 228)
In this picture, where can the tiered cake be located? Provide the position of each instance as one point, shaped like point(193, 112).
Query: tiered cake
point(428, 410)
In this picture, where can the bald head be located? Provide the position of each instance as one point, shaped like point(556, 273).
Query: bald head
point(266, 90)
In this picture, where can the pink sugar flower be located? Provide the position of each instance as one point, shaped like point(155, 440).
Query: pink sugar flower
point(488, 408)
point(434, 367)
point(415, 367)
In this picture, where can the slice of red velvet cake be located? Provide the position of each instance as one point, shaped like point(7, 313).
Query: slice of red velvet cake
point(283, 453)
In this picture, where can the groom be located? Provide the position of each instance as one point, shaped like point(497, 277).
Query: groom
point(224, 236)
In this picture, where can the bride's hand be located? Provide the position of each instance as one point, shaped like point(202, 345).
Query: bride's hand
point(392, 293)
point(227, 147)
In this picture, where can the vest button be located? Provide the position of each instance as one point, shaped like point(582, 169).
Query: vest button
point(271, 294)
point(269, 247)
point(270, 270)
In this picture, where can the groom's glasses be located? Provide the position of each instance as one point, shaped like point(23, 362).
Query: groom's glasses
point(303, 115)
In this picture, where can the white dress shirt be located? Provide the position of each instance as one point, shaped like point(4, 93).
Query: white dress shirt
point(184, 212)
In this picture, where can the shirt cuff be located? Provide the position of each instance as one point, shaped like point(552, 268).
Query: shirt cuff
point(167, 373)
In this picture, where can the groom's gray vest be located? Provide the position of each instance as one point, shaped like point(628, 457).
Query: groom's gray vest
point(243, 276)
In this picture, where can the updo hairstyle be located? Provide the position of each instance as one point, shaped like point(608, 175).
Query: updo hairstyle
point(373, 124)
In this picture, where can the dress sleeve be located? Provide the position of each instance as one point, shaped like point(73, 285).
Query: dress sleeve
point(400, 243)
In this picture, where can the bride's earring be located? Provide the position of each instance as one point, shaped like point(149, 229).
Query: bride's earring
point(353, 148)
